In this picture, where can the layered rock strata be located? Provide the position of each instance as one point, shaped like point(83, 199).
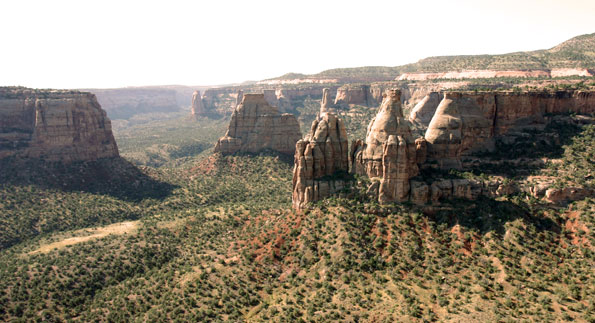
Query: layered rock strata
point(389, 121)
point(322, 154)
point(351, 94)
point(467, 122)
point(473, 74)
point(256, 126)
point(390, 154)
point(54, 125)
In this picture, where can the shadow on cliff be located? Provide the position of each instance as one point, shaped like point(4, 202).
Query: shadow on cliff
point(490, 215)
point(116, 177)
point(523, 155)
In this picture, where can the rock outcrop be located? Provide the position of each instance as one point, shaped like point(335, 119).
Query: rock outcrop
point(470, 122)
point(320, 156)
point(354, 94)
point(256, 126)
point(54, 125)
point(220, 100)
point(390, 154)
point(389, 121)
point(198, 108)
point(325, 104)
point(239, 98)
point(474, 74)
point(424, 110)
point(458, 124)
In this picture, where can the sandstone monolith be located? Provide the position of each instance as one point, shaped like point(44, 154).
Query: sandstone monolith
point(55, 125)
point(256, 126)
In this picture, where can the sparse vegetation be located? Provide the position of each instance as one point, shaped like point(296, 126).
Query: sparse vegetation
point(219, 242)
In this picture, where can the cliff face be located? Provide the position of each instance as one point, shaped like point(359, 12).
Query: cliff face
point(467, 122)
point(321, 154)
point(256, 125)
point(473, 74)
point(349, 94)
point(220, 99)
point(424, 110)
point(458, 125)
point(61, 126)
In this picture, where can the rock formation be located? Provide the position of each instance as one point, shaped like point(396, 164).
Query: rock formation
point(353, 94)
point(389, 121)
point(220, 100)
point(54, 125)
point(424, 110)
point(198, 108)
point(458, 125)
point(389, 155)
point(271, 97)
point(468, 122)
point(256, 125)
point(322, 154)
point(325, 104)
point(474, 74)
point(239, 97)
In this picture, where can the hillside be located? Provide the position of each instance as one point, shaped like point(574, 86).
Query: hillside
point(578, 52)
point(196, 237)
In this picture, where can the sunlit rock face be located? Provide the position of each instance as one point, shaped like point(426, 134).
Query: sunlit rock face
point(54, 125)
point(469, 122)
point(256, 126)
point(322, 154)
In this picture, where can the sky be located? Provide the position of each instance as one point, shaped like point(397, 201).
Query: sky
point(106, 44)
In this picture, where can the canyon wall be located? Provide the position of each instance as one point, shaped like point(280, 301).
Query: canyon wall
point(474, 74)
point(54, 125)
point(256, 125)
point(467, 122)
point(462, 124)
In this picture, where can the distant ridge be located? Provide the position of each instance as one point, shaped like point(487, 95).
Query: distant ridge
point(577, 52)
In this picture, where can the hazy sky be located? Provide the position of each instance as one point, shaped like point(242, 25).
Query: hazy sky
point(76, 44)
